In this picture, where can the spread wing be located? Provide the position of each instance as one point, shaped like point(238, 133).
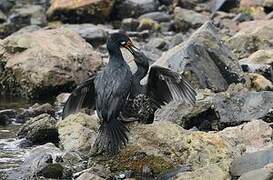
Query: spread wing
point(165, 85)
point(83, 96)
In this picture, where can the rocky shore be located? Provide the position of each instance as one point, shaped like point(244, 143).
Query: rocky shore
point(222, 47)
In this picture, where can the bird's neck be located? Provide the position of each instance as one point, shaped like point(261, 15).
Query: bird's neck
point(115, 54)
point(142, 70)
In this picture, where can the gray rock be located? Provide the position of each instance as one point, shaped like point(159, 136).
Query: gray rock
point(41, 161)
point(261, 174)
point(157, 16)
point(185, 19)
point(242, 17)
point(177, 39)
point(135, 8)
point(94, 34)
point(158, 43)
point(27, 29)
point(129, 24)
point(251, 161)
point(40, 130)
point(6, 5)
point(6, 116)
point(35, 65)
point(89, 176)
point(3, 17)
point(205, 60)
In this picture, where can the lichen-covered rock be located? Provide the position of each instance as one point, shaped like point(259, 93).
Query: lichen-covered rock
point(259, 82)
point(39, 130)
point(164, 145)
point(45, 62)
point(86, 10)
point(77, 132)
point(204, 52)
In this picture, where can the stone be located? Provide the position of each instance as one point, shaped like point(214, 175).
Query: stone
point(262, 69)
point(259, 82)
point(6, 5)
point(7, 115)
point(268, 3)
point(89, 176)
point(188, 4)
point(254, 135)
point(40, 161)
point(61, 99)
point(3, 17)
point(135, 8)
point(265, 173)
point(40, 130)
point(251, 161)
point(35, 66)
point(204, 52)
point(94, 34)
point(253, 36)
point(27, 29)
point(206, 173)
point(162, 145)
point(241, 17)
point(157, 16)
point(92, 11)
point(158, 43)
point(251, 3)
point(185, 19)
point(148, 24)
point(129, 24)
point(77, 132)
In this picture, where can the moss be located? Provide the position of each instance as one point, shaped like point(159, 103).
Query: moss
point(131, 159)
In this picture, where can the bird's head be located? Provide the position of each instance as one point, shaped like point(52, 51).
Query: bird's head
point(121, 39)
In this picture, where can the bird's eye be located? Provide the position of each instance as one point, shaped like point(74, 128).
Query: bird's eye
point(123, 43)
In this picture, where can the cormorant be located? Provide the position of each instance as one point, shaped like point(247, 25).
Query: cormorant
point(119, 97)
point(107, 92)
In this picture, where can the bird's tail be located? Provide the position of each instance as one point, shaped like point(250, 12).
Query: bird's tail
point(112, 136)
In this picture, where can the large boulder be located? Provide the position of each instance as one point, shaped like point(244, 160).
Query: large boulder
point(205, 60)
point(45, 62)
point(80, 11)
point(77, 132)
point(164, 145)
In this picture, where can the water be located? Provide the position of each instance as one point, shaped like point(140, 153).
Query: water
point(11, 155)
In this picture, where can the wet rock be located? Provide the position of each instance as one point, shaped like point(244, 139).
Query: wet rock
point(40, 162)
point(75, 161)
point(95, 35)
point(6, 116)
point(265, 173)
point(254, 135)
point(157, 16)
point(77, 132)
point(135, 8)
point(251, 161)
point(83, 11)
point(185, 19)
point(253, 36)
point(162, 145)
point(34, 111)
point(34, 65)
point(205, 173)
point(204, 52)
point(40, 130)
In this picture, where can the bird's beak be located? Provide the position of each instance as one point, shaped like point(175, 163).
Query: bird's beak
point(131, 47)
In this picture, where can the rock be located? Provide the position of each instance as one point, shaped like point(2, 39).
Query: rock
point(40, 161)
point(251, 3)
point(34, 65)
point(205, 173)
point(6, 116)
point(204, 52)
point(75, 161)
point(3, 17)
point(148, 24)
point(185, 19)
point(251, 161)
point(34, 111)
point(62, 98)
point(158, 43)
point(223, 5)
point(188, 4)
point(268, 3)
point(157, 16)
point(259, 82)
point(253, 36)
point(77, 132)
point(95, 35)
point(254, 135)
point(40, 130)
point(243, 17)
point(262, 69)
point(177, 39)
point(28, 15)
point(265, 173)
point(135, 8)
point(27, 29)
point(221, 110)
point(6, 5)
point(81, 11)
point(89, 176)
point(162, 145)
point(129, 24)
